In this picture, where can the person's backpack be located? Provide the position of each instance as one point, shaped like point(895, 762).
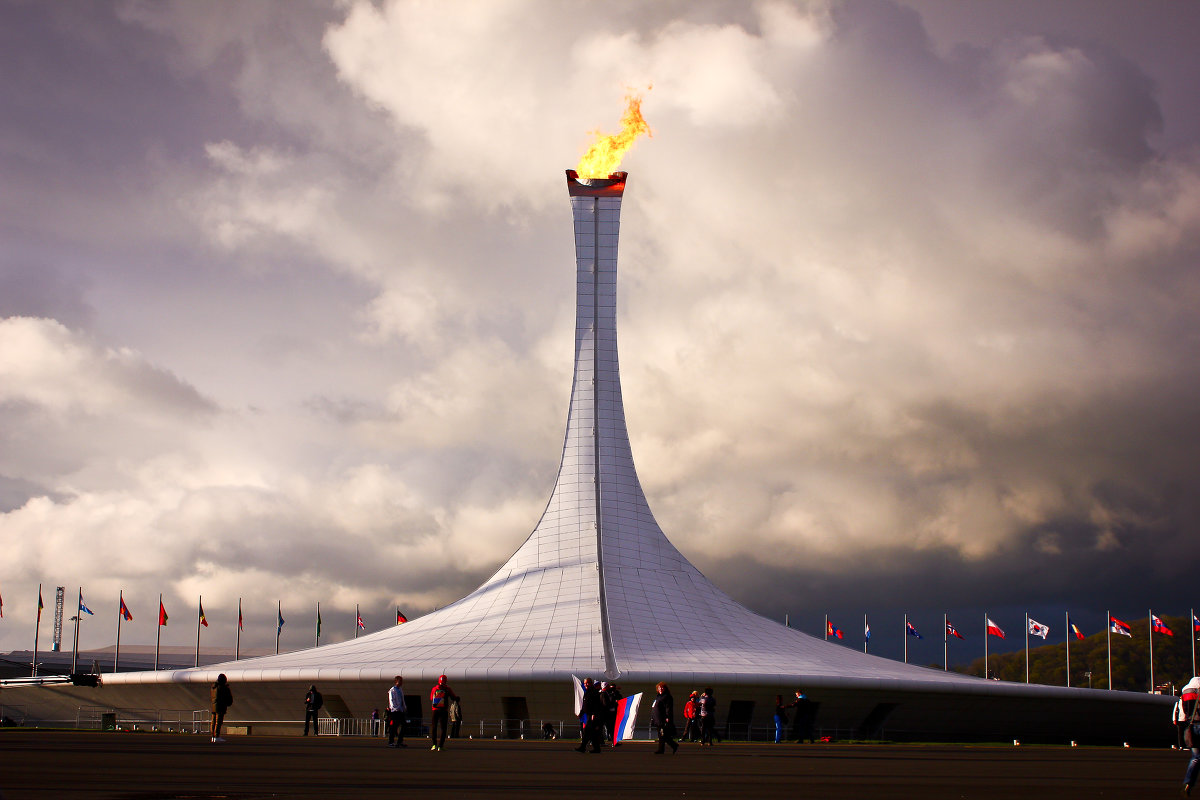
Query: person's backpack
point(437, 699)
point(318, 701)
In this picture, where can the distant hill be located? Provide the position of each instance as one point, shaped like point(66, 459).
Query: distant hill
point(1130, 658)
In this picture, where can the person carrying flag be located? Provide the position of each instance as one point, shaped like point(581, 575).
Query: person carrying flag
point(439, 707)
point(662, 717)
point(593, 709)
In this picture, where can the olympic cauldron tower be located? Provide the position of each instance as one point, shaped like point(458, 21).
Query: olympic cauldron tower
point(597, 589)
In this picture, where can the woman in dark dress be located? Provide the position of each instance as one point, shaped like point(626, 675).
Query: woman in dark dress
point(662, 716)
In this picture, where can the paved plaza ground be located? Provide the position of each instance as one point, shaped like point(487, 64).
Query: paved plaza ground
point(148, 766)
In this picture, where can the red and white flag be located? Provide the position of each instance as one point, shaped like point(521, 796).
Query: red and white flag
point(994, 629)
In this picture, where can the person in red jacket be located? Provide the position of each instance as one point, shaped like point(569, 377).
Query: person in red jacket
point(439, 705)
point(689, 717)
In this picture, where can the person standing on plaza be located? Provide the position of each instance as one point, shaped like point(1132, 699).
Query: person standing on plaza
point(593, 709)
point(312, 705)
point(689, 718)
point(395, 713)
point(1191, 732)
point(708, 716)
point(662, 717)
point(440, 697)
point(455, 717)
point(780, 718)
point(222, 699)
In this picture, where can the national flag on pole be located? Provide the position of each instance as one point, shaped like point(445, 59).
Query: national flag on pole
point(279, 630)
point(1195, 622)
point(952, 631)
point(1038, 629)
point(627, 708)
point(203, 619)
point(1, 608)
point(1118, 626)
point(360, 622)
point(318, 623)
point(83, 609)
point(994, 629)
point(866, 631)
point(832, 630)
point(1159, 626)
point(162, 614)
point(577, 687)
point(400, 618)
point(1075, 630)
point(124, 610)
point(240, 615)
point(911, 631)
point(41, 605)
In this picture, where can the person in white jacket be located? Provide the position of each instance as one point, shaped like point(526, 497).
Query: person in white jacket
point(1184, 709)
point(395, 714)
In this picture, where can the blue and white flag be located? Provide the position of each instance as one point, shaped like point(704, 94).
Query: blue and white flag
point(866, 632)
point(627, 708)
point(83, 609)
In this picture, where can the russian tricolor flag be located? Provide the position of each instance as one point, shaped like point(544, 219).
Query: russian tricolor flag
point(627, 708)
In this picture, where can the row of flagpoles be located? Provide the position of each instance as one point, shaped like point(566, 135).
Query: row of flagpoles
point(124, 615)
point(1032, 628)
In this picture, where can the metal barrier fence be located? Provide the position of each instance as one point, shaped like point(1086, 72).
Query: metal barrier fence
point(144, 719)
point(350, 726)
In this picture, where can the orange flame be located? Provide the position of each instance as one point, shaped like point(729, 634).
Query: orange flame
point(606, 152)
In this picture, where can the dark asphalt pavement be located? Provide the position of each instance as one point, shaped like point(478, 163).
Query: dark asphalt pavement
point(148, 766)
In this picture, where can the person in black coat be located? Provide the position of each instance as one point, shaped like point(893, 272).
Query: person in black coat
point(662, 717)
point(593, 706)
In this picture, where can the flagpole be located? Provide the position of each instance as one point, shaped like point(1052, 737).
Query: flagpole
point(1192, 625)
point(199, 614)
point(786, 623)
point(158, 630)
point(905, 637)
point(945, 642)
point(120, 619)
point(1067, 628)
point(985, 646)
point(37, 631)
point(1150, 626)
point(1027, 647)
point(867, 627)
point(75, 643)
point(237, 642)
point(826, 627)
point(317, 640)
point(1108, 626)
point(278, 628)
point(358, 616)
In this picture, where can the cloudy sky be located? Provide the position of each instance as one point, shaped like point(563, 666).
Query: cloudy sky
point(908, 319)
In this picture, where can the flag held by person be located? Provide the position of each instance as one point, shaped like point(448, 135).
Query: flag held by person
point(1119, 626)
point(627, 708)
point(1158, 626)
point(993, 629)
point(1038, 629)
point(577, 687)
